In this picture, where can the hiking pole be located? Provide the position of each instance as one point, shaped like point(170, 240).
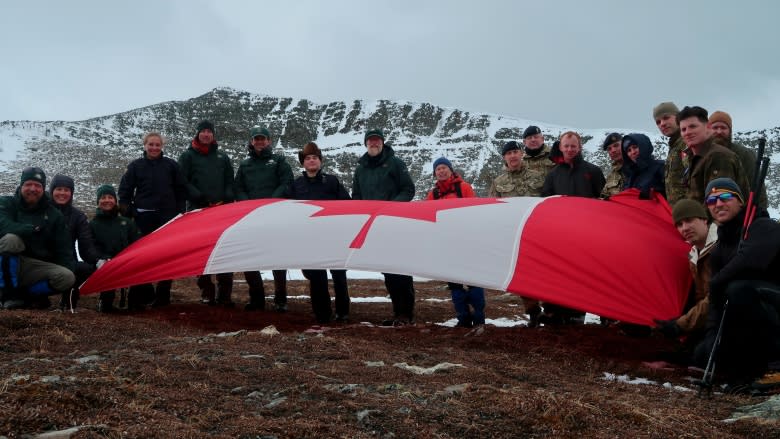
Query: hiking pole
point(762, 165)
point(709, 372)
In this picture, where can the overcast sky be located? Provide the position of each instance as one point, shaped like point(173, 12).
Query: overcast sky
point(586, 64)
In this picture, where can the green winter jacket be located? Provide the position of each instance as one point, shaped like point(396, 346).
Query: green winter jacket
point(262, 175)
point(747, 159)
point(113, 233)
point(383, 177)
point(51, 243)
point(710, 162)
point(209, 177)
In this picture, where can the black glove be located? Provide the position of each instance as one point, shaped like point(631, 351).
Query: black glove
point(37, 229)
point(669, 328)
point(125, 210)
point(644, 194)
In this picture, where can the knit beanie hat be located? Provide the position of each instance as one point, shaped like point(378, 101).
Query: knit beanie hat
point(375, 132)
point(34, 173)
point(612, 138)
point(531, 131)
point(60, 180)
point(724, 185)
point(309, 149)
point(442, 161)
point(509, 146)
point(721, 116)
point(105, 189)
point(687, 208)
point(203, 125)
point(259, 131)
point(665, 108)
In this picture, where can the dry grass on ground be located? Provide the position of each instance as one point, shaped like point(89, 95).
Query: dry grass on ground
point(170, 373)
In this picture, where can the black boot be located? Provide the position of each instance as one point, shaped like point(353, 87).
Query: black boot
point(106, 302)
point(280, 290)
point(207, 290)
point(162, 294)
point(224, 293)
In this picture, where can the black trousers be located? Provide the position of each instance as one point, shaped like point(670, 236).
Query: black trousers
point(751, 330)
point(401, 290)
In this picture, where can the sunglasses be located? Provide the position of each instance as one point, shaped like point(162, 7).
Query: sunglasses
point(724, 196)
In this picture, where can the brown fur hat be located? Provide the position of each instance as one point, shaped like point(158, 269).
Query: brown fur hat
point(309, 149)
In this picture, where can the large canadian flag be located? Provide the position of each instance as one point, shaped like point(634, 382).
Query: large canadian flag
point(621, 258)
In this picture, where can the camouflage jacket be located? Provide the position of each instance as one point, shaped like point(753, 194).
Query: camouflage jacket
point(674, 170)
point(520, 183)
point(615, 181)
point(541, 165)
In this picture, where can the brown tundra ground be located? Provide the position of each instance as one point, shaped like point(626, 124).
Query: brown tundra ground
point(190, 370)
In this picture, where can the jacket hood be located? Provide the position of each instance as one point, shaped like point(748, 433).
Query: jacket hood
point(645, 149)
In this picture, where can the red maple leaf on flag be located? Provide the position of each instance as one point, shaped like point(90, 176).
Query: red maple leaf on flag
point(418, 210)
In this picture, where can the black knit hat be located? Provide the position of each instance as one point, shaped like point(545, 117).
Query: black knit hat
point(509, 146)
point(105, 189)
point(611, 138)
point(33, 173)
point(204, 125)
point(531, 131)
point(60, 180)
point(724, 184)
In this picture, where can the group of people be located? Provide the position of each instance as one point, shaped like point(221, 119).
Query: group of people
point(706, 177)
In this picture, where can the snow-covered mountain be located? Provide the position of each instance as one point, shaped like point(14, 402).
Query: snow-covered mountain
point(96, 151)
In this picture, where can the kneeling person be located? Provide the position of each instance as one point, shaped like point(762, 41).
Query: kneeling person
point(35, 245)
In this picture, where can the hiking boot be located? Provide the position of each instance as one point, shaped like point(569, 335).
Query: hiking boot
point(160, 302)
point(254, 306)
point(224, 293)
point(105, 307)
point(13, 304)
point(550, 319)
point(767, 382)
point(463, 324)
point(342, 318)
point(280, 307)
point(533, 316)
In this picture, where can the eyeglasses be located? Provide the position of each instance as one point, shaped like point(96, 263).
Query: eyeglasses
point(723, 196)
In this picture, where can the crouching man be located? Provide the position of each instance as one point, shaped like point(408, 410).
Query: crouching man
point(36, 259)
point(745, 287)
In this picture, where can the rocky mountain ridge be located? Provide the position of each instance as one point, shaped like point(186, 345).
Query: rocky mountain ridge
point(97, 150)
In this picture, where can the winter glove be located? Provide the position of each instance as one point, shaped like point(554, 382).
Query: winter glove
point(125, 210)
point(37, 229)
point(669, 328)
point(644, 194)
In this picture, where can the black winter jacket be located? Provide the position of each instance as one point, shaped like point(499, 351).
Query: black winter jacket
point(581, 178)
point(757, 258)
point(647, 173)
point(153, 185)
point(320, 187)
